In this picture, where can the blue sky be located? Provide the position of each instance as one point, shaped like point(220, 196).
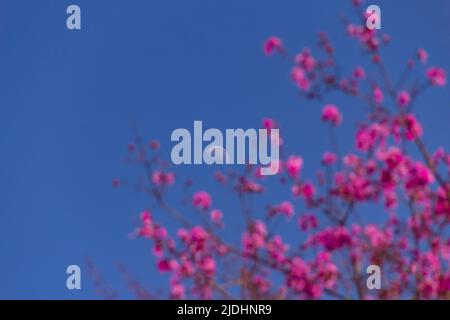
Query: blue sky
point(67, 98)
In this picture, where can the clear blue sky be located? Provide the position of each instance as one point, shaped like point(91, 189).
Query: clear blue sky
point(66, 100)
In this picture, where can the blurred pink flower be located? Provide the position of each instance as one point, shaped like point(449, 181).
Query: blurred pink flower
point(177, 291)
point(163, 179)
point(285, 208)
point(422, 55)
point(330, 113)
point(208, 266)
point(154, 145)
point(436, 76)
point(202, 200)
point(300, 79)
point(403, 99)
point(359, 73)
point(272, 45)
point(294, 165)
point(269, 123)
point(216, 216)
point(378, 96)
point(305, 60)
point(329, 158)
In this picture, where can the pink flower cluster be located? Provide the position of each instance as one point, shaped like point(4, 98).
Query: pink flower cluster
point(310, 280)
point(202, 200)
point(331, 114)
point(384, 201)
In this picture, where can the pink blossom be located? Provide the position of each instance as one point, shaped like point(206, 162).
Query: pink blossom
point(443, 205)
point(154, 145)
point(314, 291)
point(378, 96)
point(410, 123)
point(308, 191)
point(276, 250)
point(201, 200)
point(376, 58)
point(249, 186)
point(403, 99)
point(255, 238)
point(305, 60)
point(370, 136)
point(186, 268)
point(378, 239)
point(177, 291)
point(439, 154)
point(160, 178)
point(272, 45)
point(353, 30)
point(331, 239)
point(198, 234)
point(305, 190)
point(298, 277)
point(330, 113)
point(164, 265)
point(269, 123)
point(160, 233)
point(365, 138)
point(308, 221)
point(220, 177)
point(216, 216)
point(262, 284)
point(393, 157)
point(351, 160)
point(436, 76)
point(413, 127)
point(294, 165)
point(329, 158)
point(359, 73)
point(326, 271)
point(183, 234)
point(147, 229)
point(208, 266)
point(259, 227)
point(286, 208)
point(419, 176)
point(422, 55)
point(386, 38)
point(300, 79)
